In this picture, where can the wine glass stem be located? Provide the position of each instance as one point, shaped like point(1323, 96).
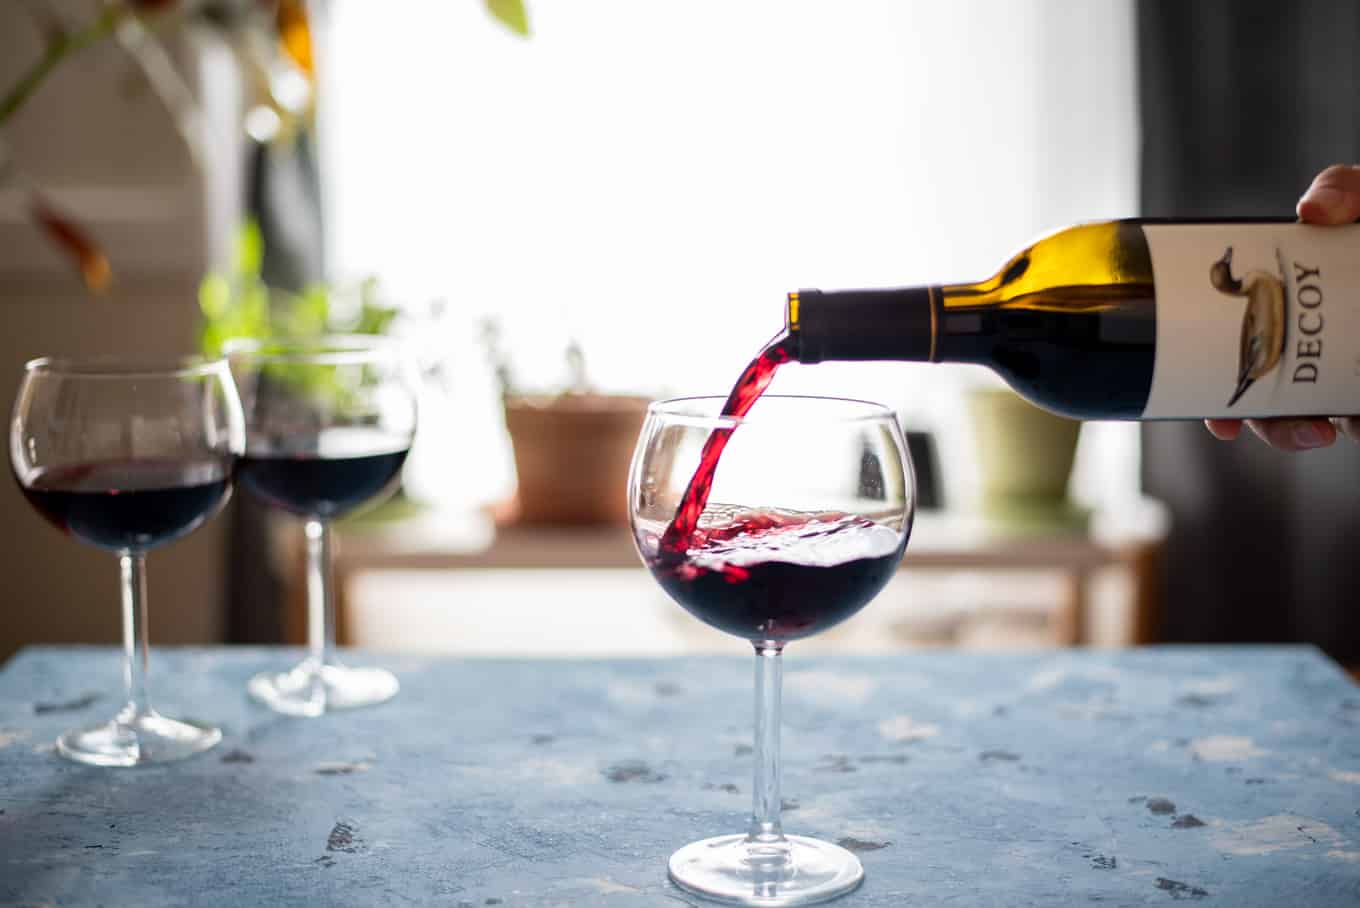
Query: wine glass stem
point(136, 650)
point(765, 803)
point(320, 605)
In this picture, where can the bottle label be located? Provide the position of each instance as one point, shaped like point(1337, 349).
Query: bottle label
point(1255, 320)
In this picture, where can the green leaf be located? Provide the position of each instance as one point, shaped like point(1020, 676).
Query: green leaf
point(253, 318)
point(375, 319)
point(309, 312)
point(511, 14)
point(214, 296)
point(249, 249)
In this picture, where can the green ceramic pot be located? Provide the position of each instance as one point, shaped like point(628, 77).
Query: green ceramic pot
point(1025, 455)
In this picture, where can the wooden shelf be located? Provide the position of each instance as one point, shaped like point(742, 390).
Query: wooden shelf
point(1130, 537)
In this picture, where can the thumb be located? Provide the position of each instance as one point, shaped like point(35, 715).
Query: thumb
point(1333, 197)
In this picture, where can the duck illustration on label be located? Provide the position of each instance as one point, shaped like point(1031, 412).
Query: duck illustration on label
point(1263, 322)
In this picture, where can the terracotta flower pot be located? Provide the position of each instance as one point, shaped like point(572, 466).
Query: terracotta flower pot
point(571, 456)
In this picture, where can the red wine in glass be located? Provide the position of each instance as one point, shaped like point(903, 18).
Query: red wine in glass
point(313, 485)
point(127, 454)
point(127, 505)
point(768, 575)
point(329, 422)
point(771, 575)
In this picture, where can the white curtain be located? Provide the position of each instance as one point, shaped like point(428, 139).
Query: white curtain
point(651, 177)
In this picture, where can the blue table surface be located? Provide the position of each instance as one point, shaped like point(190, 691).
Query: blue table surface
point(1226, 776)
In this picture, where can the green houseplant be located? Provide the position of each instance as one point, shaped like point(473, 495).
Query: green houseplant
point(238, 303)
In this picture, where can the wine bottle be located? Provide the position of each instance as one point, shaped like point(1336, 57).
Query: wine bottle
point(1134, 319)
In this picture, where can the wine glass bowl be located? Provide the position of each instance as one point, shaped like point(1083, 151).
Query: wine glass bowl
point(802, 523)
point(127, 456)
point(329, 423)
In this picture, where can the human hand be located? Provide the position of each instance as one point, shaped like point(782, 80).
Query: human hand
point(1333, 198)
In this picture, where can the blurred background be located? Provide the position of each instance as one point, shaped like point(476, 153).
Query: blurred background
point(569, 209)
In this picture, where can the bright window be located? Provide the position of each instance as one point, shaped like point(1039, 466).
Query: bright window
point(652, 177)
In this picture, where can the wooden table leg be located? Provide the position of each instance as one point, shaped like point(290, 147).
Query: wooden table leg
point(1071, 622)
point(1147, 582)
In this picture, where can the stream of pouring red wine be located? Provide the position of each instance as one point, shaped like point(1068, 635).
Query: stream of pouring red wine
point(754, 380)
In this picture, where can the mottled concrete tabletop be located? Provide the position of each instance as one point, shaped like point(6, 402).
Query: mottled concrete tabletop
point(1222, 776)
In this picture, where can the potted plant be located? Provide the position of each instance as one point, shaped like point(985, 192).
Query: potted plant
point(572, 446)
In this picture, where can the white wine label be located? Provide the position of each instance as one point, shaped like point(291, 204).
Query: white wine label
point(1255, 320)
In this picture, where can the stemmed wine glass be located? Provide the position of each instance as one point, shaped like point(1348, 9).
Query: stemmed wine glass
point(329, 422)
point(806, 519)
point(128, 455)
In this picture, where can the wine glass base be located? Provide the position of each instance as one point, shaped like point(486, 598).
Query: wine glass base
point(136, 740)
point(731, 870)
point(311, 689)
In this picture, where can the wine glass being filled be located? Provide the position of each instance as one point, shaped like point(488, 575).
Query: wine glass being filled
point(772, 527)
point(329, 422)
point(128, 455)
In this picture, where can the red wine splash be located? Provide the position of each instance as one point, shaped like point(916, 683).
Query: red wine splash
point(752, 383)
point(781, 575)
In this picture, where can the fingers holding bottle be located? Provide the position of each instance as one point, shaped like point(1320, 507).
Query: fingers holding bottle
point(1294, 434)
point(1224, 429)
point(1333, 197)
